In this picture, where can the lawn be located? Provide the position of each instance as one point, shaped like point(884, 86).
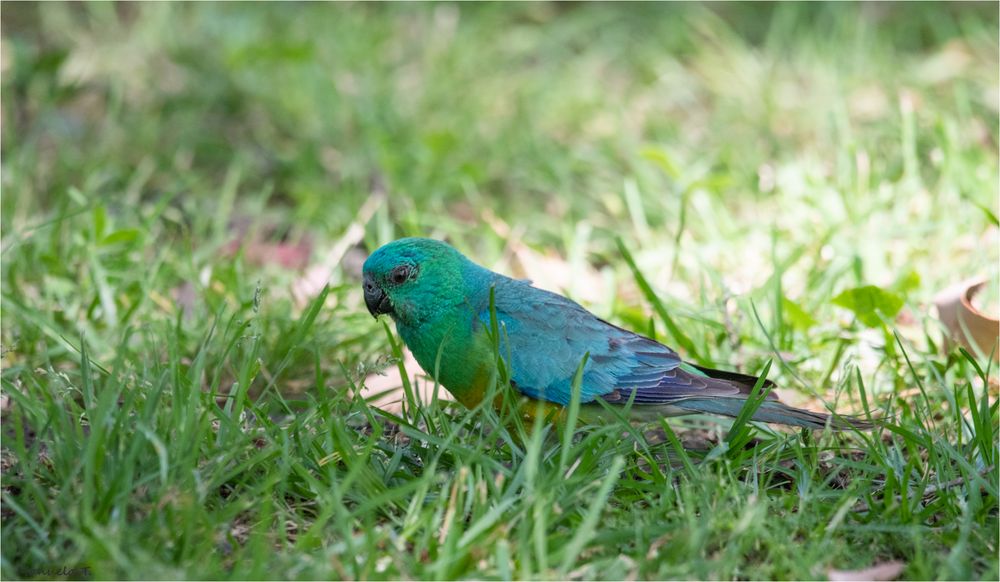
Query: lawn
point(188, 192)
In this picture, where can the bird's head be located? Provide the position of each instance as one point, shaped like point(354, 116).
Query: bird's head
point(412, 278)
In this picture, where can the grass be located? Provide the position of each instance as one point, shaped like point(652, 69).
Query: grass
point(772, 183)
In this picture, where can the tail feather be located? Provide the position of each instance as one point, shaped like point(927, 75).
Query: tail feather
point(744, 382)
point(775, 412)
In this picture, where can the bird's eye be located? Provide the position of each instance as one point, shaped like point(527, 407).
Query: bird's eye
point(400, 274)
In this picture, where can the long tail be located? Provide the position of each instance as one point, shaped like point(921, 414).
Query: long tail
point(773, 411)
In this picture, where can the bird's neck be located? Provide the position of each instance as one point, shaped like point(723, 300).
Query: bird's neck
point(451, 346)
point(451, 351)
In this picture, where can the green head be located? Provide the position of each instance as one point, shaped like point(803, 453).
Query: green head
point(414, 279)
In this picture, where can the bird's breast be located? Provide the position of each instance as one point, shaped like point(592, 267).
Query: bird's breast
point(464, 364)
point(454, 356)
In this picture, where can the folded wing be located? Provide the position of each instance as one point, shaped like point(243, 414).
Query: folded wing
point(545, 336)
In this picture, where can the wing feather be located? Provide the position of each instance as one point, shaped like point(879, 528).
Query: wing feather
point(544, 336)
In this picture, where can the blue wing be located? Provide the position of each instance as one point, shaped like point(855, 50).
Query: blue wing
point(544, 336)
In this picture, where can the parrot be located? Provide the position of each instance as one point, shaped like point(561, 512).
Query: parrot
point(440, 301)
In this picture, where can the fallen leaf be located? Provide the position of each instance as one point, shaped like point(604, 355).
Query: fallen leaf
point(259, 248)
point(550, 271)
point(384, 389)
point(292, 256)
point(966, 324)
point(312, 282)
point(884, 571)
point(948, 63)
point(547, 270)
point(185, 296)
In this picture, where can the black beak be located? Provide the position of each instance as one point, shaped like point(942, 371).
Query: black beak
point(375, 298)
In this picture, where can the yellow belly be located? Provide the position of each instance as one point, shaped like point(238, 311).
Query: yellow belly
point(531, 409)
point(527, 408)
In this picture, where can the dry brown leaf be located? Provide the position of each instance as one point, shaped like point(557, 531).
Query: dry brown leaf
point(292, 256)
point(948, 63)
point(551, 272)
point(311, 283)
point(884, 571)
point(260, 248)
point(385, 389)
point(966, 324)
point(547, 270)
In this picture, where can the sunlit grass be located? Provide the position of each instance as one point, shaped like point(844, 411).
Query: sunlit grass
point(713, 176)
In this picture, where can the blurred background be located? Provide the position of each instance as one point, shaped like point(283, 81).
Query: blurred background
point(166, 158)
point(189, 191)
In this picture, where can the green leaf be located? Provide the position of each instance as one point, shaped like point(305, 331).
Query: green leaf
point(100, 221)
point(125, 235)
point(989, 213)
point(794, 314)
point(907, 282)
point(872, 305)
point(661, 158)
